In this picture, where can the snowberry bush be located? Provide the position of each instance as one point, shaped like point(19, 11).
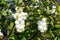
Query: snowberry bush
point(29, 20)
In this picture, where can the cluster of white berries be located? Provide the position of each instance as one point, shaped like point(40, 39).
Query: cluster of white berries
point(42, 25)
point(1, 34)
point(20, 20)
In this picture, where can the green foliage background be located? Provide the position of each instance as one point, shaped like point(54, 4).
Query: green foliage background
point(34, 14)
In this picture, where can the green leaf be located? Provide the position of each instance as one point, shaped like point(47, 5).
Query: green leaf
point(38, 38)
point(52, 35)
point(57, 26)
point(11, 25)
point(23, 38)
point(13, 37)
point(16, 1)
point(48, 11)
point(58, 9)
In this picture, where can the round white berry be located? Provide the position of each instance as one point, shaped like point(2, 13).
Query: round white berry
point(22, 22)
point(16, 22)
point(20, 19)
point(24, 14)
point(43, 19)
